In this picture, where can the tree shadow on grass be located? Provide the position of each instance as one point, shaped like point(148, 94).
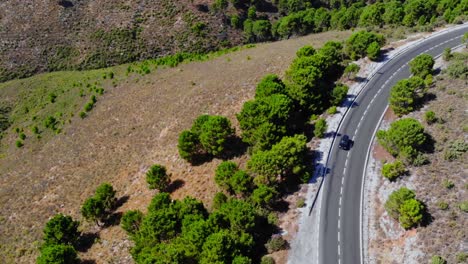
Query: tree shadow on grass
point(175, 185)
point(88, 261)
point(86, 241)
point(427, 217)
point(429, 145)
point(281, 206)
point(121, 201)
point(113, 219)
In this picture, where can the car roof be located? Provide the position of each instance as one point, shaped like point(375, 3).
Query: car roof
point(345, 137)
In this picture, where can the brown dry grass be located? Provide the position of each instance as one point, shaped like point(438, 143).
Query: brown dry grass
point(133, 126)
point(446, 234)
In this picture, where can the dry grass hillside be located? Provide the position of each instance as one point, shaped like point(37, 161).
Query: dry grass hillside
point(38, 35)
point(133, 125)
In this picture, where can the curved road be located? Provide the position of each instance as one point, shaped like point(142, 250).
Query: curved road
point(340, 230)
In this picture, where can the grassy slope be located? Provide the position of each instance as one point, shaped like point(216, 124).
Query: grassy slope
point(134, 124)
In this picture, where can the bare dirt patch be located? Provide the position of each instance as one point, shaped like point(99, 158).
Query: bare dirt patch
point(135, 125)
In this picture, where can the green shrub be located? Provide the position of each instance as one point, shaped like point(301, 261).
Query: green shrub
point(215, 133)
point(463, 206)
point(82, 115)
point(458, 69)
point(393, 170)
point(236, 21)
point(442, 205)
point(351, 70)
point(373, 51)
point(19, 143)
point(455, 150)
point(396, 199)
point(438, 260)
point(332, 110)
point(404, 138)
point(276, 243)
point(131, 221)
point(22, 136)
point(61, 229)
point(51, 122)
point(58, 254)
point(89, 106)
point(422, 65)
point(411, 213)
point(448, 184)
point(35, 130)
point(300, 202)
point(52, 97)
point(338, 94)
point(406, 94)
point(218, 200)
point(267, 260)
point(320, 128)
point(447, 54)
point(359, 42)
point(305, 51)
point(461, 257)
point(430, 117)
point(157, 178)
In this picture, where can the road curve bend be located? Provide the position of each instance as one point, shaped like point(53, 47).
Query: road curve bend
point(340, 216)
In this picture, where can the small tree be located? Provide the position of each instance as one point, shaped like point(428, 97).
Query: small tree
point(338, 94)
point(276, 243)
point(215, 133)
point(447, 54)
point(320, 128)
point(157, 177)
point(264, 196)
point(422, 65)
point(430, 117)
point(93, 210)
point(405, 95)
point(218, 200)
point(224, 173)
point(269, 85)
point(404, 138)
point(373, 51)
point(411, 213)
point(189, 145)
point(241, 182)
point(393, 170)
point(351, 70)
point(106, 194)
point(465, 39)
point(61, 229)
point(58, 254)
point(305, 51)
point(396, 199)
point(131, 221)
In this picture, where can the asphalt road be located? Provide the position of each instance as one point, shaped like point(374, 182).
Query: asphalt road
point(339, 238)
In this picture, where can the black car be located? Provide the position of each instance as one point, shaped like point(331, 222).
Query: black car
point(345, 142)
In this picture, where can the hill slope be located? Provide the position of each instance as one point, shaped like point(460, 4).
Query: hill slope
point(134, 124)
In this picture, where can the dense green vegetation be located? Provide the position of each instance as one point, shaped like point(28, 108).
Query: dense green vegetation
point(393, 170)
point(409, 93)
point(59, 240)
point(404, 139)
point(403, 205)
point(209, 135)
